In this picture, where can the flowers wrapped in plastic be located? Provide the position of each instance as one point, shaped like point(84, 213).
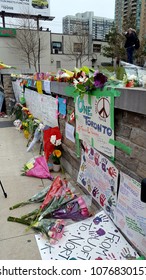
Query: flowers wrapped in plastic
point(77, 209)
point(51, 228)
point(52, 198)
point(38, 197)
point(36, 137)
point(61, 197)
point(37, 167)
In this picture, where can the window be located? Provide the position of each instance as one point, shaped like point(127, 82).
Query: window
point(97, 48)
point(77, 47)
point(56, 47)
point(58, 64)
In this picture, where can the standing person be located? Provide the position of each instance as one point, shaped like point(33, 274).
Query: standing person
point(130, 44)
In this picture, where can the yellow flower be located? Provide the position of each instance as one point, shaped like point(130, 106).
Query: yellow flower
point(25, 109)
point(26, 134)
point(57, 153)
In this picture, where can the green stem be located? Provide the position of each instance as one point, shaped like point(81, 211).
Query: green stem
point(35, 213)
point(19, 205)
point(18, 220)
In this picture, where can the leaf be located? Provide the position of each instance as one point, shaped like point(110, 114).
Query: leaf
point(85, 69)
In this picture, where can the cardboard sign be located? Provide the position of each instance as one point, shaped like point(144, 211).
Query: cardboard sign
point(94, 118)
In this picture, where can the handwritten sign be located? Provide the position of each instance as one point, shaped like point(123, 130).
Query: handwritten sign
point(131, 212)
point(93, 122)
point(42, 106)
point(95, 238)
point(99, 177)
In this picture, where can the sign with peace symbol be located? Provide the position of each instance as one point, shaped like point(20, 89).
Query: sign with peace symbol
point(102, 107)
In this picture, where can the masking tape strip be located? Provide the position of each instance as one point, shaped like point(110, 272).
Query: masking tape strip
point(121, 146)
point(112, 112)
point(77, 145)
point(92, 142)
point(89, 99)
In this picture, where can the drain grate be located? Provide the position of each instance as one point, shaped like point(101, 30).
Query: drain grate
point(4, 124)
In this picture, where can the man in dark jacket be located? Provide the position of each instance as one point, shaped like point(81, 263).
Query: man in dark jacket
point(130, 44)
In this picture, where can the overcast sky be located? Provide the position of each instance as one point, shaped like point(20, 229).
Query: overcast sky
point(59, 9)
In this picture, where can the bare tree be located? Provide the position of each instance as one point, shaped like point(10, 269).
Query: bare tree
point(28, 43)
point(77, 48)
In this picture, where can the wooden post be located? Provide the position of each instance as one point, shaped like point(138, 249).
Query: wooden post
point(3, 18)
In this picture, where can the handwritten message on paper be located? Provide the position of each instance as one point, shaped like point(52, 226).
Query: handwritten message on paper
point(131, 212)
point(69, 132)
point(42, 106)
point(95, 238)
point(99, 177)
point(93, 122)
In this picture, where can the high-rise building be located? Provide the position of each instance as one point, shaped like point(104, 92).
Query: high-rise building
point(87, 23)
point(123, 9)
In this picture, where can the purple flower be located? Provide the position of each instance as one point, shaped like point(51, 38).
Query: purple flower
point(99, 80)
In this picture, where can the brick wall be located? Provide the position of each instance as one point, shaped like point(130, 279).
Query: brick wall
point(130, 129)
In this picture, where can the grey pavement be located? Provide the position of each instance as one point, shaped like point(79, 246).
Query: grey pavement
point(15, 242)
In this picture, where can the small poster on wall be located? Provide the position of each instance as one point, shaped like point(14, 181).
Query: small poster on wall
point(100, 178)
point(95, 238)
point(131, 212)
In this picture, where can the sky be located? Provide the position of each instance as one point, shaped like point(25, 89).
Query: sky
point(59, 9)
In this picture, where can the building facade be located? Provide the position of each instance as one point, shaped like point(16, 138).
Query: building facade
point(57, 51)
point(123, 9)
point(87, 23)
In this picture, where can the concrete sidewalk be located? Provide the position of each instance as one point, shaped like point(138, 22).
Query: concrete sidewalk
point(15, 242)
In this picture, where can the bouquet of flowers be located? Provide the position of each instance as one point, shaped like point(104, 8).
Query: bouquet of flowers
point(130, 80)
point(38, 197)
point(76, 209)
point(36, 136)
point(53, 229)
point(86, 80)
point(37, 167)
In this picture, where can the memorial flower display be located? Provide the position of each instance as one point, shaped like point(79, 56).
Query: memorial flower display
point(88, 80)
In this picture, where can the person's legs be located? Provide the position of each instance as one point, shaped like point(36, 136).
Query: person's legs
point(130, 51)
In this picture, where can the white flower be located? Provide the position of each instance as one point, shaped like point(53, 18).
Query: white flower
point(41, 126)
point(53, 139)
point(58, 142)
point(75, 82)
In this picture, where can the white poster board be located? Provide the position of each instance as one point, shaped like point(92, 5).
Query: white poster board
point(93, 122)
point(43, 107)
point(95, 238)
point(99, 177)
point(131, 212)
